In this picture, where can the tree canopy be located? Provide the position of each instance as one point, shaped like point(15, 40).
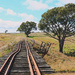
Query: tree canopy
point(27, 27)
point(6, 31)
point(60, 21)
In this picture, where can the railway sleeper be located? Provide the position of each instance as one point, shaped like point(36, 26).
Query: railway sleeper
point(43, 66)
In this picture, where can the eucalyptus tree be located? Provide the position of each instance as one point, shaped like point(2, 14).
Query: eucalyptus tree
point(26, 27)
point(60, 21)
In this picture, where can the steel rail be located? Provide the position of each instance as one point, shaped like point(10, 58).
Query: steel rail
point(5, 68)
point(32, 58)
point(30, 66)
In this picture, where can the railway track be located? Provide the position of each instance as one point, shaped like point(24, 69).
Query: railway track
point(7, 64)
point(22, 62)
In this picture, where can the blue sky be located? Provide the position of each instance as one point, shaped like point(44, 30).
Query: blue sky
point(14, 12)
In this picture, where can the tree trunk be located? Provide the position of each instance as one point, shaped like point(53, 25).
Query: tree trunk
point(27, 35)
point(61, 44)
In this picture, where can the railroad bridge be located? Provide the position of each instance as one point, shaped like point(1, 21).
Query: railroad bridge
point(24, 60)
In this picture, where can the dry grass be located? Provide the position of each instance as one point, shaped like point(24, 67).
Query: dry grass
point(58, 61)
point(61, 74)
point(6, 40)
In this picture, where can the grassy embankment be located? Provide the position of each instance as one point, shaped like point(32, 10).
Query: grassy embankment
point(58, 61)
point(7, 42)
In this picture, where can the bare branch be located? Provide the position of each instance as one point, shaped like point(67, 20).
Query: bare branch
point(50, 35)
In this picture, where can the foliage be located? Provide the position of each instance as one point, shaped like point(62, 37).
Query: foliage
point(27, 27)
point(6, 31)
point(60, 21)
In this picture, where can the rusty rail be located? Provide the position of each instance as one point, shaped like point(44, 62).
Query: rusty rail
point(7, 64)
point(30, 66)
point(29, 55)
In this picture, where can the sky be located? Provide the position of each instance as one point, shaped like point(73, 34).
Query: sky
point(14, 12)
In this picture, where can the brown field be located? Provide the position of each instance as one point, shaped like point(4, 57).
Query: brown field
point(62, 74)
point(6, 40)
point(61, 63)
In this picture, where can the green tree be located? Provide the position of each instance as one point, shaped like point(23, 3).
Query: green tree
point(6, 31)
point(27, 27)
point(60, 21)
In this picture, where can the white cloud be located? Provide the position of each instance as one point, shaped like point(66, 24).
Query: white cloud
point(11, 12)
point(2, 30)
point(26, 17)
point(51, 7)
point(61, 2)
point(13, 30)
point(7, 24)
point(67, 1)
point(1, 9)
point(35, 5)
point(49, 1)
point(11, 26)
point(8, 11)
